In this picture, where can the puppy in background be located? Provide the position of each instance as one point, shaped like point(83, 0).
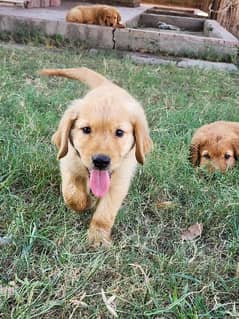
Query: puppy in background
point(95, 14)
point(216, 146)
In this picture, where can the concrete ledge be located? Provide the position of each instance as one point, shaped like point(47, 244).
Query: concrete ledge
point(89, 34)
point(213, 29)
point(140, 58)
point(175, 44)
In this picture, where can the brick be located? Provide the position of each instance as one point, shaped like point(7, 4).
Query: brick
point(34, 4)
point(45, 3)
point(55, 3)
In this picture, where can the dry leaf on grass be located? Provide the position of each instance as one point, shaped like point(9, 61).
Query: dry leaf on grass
point(237, 271)
point(77, 302)
point(4, 241)
point(165, 204)
point(8, 291)
point(110, 304)
point(192, 232)
point(143, 50)
point(34, 82)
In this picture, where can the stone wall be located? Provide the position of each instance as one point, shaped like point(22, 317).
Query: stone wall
point(226, 12)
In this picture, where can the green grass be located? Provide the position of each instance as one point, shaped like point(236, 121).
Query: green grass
point(149, 270)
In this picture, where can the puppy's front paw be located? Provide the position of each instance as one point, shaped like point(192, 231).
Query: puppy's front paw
point(99, 237)
point(77, 201)
point(120, 25)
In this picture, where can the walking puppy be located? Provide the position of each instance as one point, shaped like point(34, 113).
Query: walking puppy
point(100, 139)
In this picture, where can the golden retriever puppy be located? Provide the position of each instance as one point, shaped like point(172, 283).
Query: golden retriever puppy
point(216, 145)
point(100, 139)
point(95, 14)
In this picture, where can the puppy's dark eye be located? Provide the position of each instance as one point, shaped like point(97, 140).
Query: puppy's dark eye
point(227, 156)
point(119, 133)
point(207, 156)
point(86, 130)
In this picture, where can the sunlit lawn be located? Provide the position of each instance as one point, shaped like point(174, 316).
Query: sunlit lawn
point(149, 270)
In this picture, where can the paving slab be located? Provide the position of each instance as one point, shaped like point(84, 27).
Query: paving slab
point(190, 63)
point(138, 58)
point(149, 59)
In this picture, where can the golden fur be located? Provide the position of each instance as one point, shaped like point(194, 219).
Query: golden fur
point(106, 109)
point(216, 145)
point(95, 14)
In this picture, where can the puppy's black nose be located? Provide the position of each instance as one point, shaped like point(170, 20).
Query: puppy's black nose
point(101, 161)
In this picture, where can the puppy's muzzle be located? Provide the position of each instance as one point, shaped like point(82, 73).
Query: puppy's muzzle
point(101, 161)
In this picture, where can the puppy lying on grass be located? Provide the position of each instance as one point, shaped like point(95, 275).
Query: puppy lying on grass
point(100, 138)
point(216, 145)
point(95, 14)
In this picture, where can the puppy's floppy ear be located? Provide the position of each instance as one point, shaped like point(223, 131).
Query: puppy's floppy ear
point(61, 136)
point(198, 140)
point(194, 154)
point(102, 15)
point(142, 139)
point(235, 145)
point(118, 17)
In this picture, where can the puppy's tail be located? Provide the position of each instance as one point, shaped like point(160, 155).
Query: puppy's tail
point(87, 76)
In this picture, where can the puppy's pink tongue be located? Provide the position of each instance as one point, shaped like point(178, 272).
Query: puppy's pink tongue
point(99, 182)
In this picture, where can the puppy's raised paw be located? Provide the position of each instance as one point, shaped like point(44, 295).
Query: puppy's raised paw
point(99, 237)
point(76, 200)
point(120, 26)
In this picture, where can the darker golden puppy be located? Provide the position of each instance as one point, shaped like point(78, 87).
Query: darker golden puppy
point(95, 14)
point(216, 145)
point(100, 139)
